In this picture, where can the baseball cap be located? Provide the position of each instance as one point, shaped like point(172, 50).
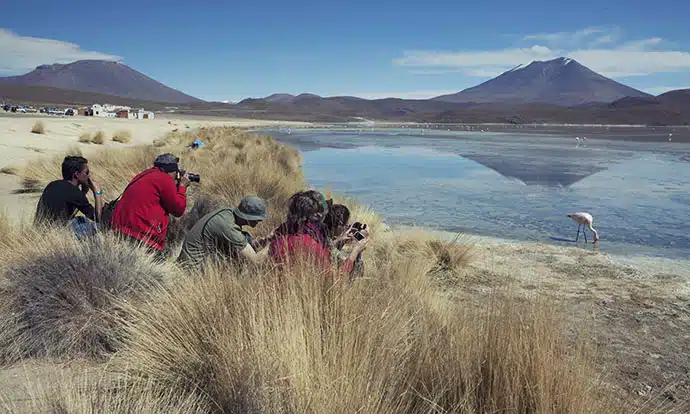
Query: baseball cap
point(167, 162)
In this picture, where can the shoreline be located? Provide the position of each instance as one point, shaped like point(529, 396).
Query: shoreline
point(633, 133)
point(644, 263)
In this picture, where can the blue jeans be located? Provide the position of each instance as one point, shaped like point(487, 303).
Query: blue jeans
point(83, 228)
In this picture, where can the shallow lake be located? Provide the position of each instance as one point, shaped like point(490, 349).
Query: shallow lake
point(514, 186)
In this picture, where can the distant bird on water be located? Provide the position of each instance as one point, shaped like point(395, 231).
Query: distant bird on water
point(584, 219)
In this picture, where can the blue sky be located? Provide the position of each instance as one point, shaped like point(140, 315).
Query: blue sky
point(230, 51)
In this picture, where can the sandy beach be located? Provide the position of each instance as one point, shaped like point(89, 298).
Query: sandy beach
point(19, 145)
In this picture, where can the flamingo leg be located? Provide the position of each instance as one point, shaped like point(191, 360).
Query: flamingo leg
point(578, 232)
point(584, 233)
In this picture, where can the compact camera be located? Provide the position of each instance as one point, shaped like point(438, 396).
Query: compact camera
point(358, 227)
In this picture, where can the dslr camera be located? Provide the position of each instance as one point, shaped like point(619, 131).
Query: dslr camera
point(194, 178)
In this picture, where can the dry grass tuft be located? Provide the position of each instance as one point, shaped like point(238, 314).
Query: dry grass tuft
point(123, 137)
point(98, 138)
point(85, 138)
point(59, 298)
point(9, 170)
point(451, 255)
point(38, 128)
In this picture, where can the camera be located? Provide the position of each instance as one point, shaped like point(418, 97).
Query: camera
point(357, 233)
point(194, 178)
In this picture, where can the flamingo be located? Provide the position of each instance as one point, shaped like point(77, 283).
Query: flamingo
point(586, 219)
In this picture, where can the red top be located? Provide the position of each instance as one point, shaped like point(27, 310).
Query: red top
point(286, 247)
point(143, 209)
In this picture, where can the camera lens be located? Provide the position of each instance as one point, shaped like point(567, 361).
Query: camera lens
point(195, 178)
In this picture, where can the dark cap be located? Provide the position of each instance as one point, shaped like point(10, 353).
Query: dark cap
point(251, 208)
point(167, 162)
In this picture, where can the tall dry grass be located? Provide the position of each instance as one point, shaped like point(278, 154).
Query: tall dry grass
point(286, 340)
point(293, 341)
point(233, 164)
point(58, 297)
point(93, 391)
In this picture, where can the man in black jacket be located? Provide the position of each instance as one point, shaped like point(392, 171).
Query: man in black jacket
point(62, 198)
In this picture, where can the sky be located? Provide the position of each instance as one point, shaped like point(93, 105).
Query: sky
point(234, 50)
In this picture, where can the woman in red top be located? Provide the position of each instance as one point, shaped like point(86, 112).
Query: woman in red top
point(304, 234)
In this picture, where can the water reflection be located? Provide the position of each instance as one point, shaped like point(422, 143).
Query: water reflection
point(512, 188)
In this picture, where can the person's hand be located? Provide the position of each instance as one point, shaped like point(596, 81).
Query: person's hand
point(94, 186)
point(360, 245)
point(184, 180)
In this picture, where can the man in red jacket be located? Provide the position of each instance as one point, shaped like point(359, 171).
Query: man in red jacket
point(142, 212)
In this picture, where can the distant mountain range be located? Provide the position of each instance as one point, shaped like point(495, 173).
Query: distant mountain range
point(559, 90)
point(562, 82)
point(102, 77)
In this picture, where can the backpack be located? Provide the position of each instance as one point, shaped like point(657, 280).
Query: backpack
point(109, 207)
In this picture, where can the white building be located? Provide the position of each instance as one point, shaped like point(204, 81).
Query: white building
point(141, 114)
point(97, 110)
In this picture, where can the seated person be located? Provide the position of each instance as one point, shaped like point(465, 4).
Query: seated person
point(341, 235)
point(304, 234)
point(62, 198)
point(219, 234)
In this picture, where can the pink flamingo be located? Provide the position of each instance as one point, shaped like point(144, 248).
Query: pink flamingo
point(584, 219)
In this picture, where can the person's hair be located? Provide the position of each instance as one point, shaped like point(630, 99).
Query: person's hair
point(319, 199)
point(305, 208)
point(338, 216)
point(72, 164)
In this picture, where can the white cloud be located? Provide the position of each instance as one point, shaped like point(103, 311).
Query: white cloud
point(596, 48)
point(21, 54)
point(422, 94)
point(561, 38)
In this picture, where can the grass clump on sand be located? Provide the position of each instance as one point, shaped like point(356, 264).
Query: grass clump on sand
point(98, 138)
point(9, 170)
point(123, 137)
point(85, 138)
point(268, 339)
point(38, 128)
point(59, 294)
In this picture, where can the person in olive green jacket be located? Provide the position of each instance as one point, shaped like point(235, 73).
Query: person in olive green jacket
point(219, 236)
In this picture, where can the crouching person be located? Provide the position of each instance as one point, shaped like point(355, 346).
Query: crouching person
point(219, 235)
point(61, 199)
point(141, 215)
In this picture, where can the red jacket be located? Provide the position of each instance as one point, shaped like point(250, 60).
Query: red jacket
point(143, 209)
point(283, 248)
